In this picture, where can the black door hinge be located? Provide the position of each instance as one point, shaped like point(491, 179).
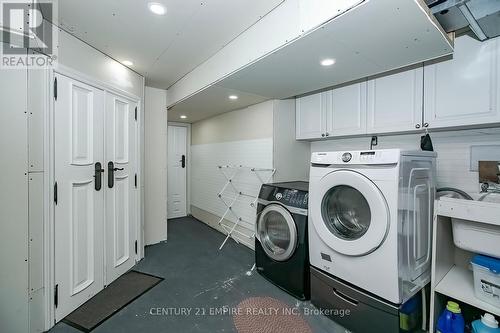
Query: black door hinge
point(135, 247)
point(55, 88)
point(135, 180)
point(56, 295)
point(55, 192)
point(136, 113)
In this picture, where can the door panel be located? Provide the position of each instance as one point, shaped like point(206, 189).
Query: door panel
point(79, 213)
point(348, 112)
point(121, 200)
point(81, 239)
point(395, 102)
point(465, 90)
point(177, 148)
point(311, 114)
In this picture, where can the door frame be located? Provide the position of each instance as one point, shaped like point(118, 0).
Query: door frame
point(49, 178)
point(188, 165)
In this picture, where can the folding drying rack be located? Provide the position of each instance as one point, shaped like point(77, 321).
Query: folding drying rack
point(230, 172)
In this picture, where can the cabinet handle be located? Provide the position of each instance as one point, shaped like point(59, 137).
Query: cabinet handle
point(327, 134)
point(417, 126)
point(323, 134)
point(426, 125)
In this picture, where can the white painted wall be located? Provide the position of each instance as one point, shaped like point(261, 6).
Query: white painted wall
point(261, 136)
point(207, 180)
point(13, 202)
point(155, 171)
point(452, 147)
point(288, 154)
point(241, 137)
point(77, 55)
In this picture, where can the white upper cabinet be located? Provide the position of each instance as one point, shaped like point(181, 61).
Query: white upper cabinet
point(395, 102)
point(347, 115)
point(337, 112)
point(311, 115)
point(465, 90)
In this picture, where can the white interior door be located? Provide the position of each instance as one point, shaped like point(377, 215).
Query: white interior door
point(176, 172)
point(121, 185)
point(79, 209)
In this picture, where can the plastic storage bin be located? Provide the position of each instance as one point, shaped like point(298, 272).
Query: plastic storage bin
point(477, 237)
point(487, 279)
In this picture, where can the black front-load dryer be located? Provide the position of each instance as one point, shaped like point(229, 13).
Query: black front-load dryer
point(281, 247)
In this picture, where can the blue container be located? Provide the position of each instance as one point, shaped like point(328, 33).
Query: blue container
point(451, 320)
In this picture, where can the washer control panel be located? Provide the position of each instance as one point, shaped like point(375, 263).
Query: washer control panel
point(389, 156)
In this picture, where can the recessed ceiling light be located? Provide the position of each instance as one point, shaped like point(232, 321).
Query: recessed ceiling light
point(183, 117)
point(327, 62)
point(157, 8)
point(127, 63)
point(233, 97)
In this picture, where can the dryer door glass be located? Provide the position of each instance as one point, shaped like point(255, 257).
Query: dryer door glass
point(277, 232)
point(346, 213)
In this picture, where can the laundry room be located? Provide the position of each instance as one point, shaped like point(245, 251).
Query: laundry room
point(263, 166)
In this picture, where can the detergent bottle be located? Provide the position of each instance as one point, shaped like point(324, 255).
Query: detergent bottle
point(451, 320)
point(487, 324)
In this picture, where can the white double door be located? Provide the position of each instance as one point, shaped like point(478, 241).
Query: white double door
point(95, 192)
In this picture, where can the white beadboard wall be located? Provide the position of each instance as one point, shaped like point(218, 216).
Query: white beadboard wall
point(207, 180)
point(453, 148)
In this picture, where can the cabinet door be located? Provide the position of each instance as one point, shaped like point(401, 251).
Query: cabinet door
point(395, 102)
point(465, 90)
point(311, 114)
point(348, 113)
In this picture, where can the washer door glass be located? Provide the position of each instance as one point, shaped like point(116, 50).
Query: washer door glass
point(346, 213)
point(349, 212)
point(277, 232)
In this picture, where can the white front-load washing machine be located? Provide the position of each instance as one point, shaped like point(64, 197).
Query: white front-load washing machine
point(370, 220)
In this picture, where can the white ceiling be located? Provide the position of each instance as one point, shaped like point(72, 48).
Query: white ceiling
point(211, 102)
point(162, 48)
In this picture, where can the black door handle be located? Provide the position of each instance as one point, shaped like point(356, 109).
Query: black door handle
point(111, 174)
point(183, 161)
point(98, 170)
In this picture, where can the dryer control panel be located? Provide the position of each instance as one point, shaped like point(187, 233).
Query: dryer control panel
point(287, 196)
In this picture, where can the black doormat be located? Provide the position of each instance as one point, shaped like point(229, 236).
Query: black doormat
point(112, 299)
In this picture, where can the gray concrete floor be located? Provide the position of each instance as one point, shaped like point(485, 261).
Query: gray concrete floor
point(197, 277)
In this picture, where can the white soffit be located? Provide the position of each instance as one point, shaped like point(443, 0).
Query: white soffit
point(373, 38)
